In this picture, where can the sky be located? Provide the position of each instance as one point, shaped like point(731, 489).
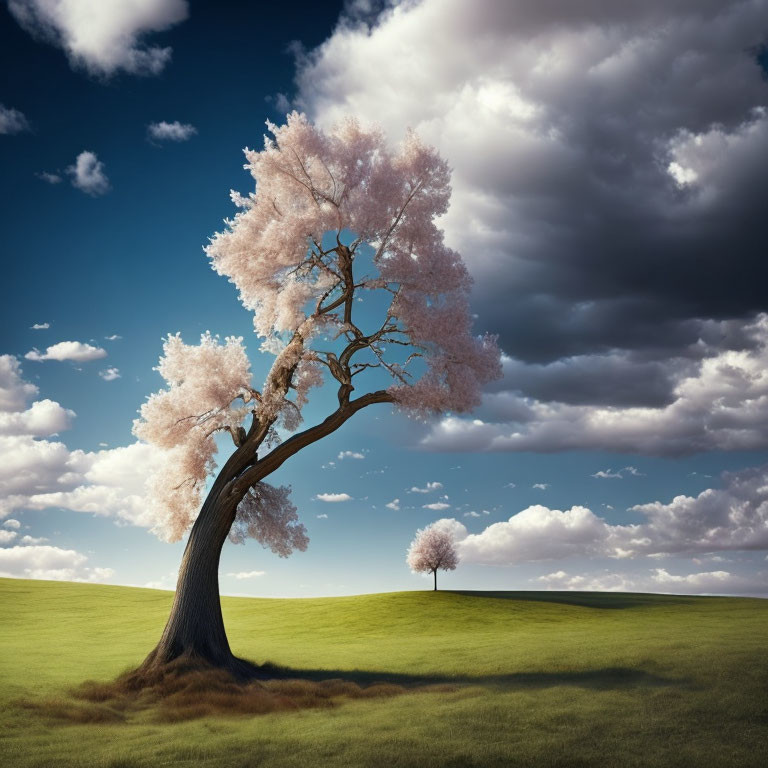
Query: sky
point(609, 172)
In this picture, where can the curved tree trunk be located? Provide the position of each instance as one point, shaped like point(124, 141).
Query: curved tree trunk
point(195, 627)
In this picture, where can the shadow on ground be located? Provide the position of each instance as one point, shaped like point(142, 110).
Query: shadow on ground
point(607, 600)
point(189, 691)
point(607, 678)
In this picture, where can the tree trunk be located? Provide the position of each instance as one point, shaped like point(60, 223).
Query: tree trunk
point(435, 574)
point(195, 629)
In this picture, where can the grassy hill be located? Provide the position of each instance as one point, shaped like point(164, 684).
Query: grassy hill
point(538, 679)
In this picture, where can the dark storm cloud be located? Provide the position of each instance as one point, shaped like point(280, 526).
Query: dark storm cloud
point(562, 120)
point(610, 173)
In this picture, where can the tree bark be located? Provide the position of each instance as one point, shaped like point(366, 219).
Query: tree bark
point(435, 574)
point(195, 629)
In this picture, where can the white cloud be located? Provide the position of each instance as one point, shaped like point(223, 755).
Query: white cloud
point(734, 517)
point(720, 404)
point(168, 581)
point(44, 417)
point(602, 582)
point(548, 112)
point(103, 37)
point(605, 474)
point(428, 488)
point(77, 351)
point(437, 506)
point(240, 575)
point(40, 474)
point(659, 580)
point(113, 337)
point(88, 174)
point(322, 517)
point(46, 562)
point(34, 540)
point(7, 536)
point(110, 483)
point(350, 455)
point(540, 486)
point(110, 374)
point(174, 131)
point(40, 326)
point(49, 178)
point(394, 504)
point(12, 121)
point(14, 391)
point(11, 523)
point(333, 497)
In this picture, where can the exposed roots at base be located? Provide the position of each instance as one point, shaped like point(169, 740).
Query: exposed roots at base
point(185, 689)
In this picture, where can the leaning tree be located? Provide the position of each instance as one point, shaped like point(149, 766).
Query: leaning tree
point(334, 215)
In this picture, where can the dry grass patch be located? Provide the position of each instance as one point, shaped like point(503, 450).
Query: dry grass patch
point(187, 689)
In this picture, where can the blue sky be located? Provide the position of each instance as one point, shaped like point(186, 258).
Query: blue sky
point(612, 220)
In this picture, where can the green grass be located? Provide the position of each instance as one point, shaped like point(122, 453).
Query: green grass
point(545, 679)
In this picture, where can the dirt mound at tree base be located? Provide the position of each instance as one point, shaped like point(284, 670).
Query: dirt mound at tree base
point(186, 689)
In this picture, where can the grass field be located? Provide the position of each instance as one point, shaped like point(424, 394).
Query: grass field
point(539, 679)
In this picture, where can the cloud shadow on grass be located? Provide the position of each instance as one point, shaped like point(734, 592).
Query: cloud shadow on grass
point(604, 600)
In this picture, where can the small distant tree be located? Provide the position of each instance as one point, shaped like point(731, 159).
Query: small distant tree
point(432, 550)
point(334, 217)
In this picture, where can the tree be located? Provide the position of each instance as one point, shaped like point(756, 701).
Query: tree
point(432, 550)
point(323, 203)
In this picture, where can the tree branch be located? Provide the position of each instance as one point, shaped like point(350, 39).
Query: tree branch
point(277, 456)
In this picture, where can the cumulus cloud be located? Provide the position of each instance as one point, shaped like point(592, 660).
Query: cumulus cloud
point(12, 121)
point(110, 374)
point(103, 38)
point(333, 497)
point(174, 131)
point(322, 516)
point(42, 418)
point(88, 174)
point(14, 391)
point(47, 562)
point(720, 403)
point(40, 473)
point(76, 351)
point(40, 326)
point(7, 536)
point(733, 517)
point(12, 524)
point(606, 156)
point(394, 505)
point(240, 575)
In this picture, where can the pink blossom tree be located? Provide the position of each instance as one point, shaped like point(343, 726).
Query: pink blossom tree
point(323, 202)
point(432, 550)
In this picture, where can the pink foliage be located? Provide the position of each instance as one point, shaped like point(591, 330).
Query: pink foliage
point(432, 550)
point(267, 515)
point(203, 384)
point(310, 183)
